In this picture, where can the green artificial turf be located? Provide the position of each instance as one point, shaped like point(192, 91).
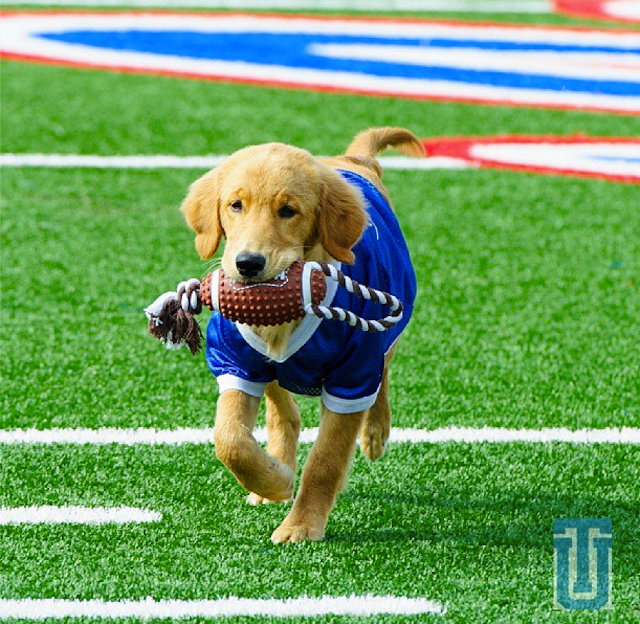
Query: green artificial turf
point(467, 525)
point(63, 110)
point(526, 317)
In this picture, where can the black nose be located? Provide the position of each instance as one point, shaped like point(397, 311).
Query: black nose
point(250, 264)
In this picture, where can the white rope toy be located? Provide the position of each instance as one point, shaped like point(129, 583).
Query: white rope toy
point(172, 315)
point(186, 296)
point(340, 314)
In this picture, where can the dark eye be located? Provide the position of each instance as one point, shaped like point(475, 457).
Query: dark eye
point(286, 212)
point(236, 206)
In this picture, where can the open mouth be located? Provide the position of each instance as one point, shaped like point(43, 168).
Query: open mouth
point(277, 281)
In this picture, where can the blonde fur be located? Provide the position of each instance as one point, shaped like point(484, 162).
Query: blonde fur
point(329, 219)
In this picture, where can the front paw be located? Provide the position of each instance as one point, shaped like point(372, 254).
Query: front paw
point(291, 531)
point(255, 499)
point(279, 487)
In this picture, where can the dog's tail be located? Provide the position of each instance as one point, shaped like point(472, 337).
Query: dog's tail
point(370, 142)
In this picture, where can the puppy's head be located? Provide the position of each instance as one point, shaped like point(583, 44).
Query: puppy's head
point(273, 204)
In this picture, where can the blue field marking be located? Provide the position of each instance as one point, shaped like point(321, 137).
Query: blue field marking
point(550, 67)
point(626, 159)
point(263, 46)
point(296, 50)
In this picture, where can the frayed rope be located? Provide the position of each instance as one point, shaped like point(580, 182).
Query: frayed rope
point(172, 317)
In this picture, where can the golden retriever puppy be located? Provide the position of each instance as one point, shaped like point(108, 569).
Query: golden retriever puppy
point(274, 204)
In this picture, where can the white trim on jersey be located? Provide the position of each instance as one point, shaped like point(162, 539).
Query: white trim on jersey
point(231, 382)
point(334, 403)
point(300, 335)
point(348, 406)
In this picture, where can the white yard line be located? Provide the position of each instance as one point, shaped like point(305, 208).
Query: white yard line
point(160, 161)
point(176, 437)
point(49, 514)
point(454, 6)
point(34, 609)
point(74, 161)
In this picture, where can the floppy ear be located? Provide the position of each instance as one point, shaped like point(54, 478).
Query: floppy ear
point(342, 217)
point(201, 209)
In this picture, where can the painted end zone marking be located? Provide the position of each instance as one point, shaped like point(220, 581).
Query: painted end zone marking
point(617, 10)
point(177, 437)
point(49, 514)
point(499, 64)
point(616, 159)
point(363, 606)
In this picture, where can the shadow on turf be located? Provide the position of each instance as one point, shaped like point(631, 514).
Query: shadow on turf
point(519, 519)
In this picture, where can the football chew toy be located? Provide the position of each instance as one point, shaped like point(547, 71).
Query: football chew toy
point(276, 301)
point(294, 293)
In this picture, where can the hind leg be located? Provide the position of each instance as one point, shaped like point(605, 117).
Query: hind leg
point(324, 473)
point(283, 428)
point(377, 422)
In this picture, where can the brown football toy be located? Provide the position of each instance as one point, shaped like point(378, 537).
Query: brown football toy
point(292, 294)
point(276, 301)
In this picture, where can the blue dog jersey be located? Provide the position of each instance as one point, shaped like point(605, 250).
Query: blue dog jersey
point(327, 358)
